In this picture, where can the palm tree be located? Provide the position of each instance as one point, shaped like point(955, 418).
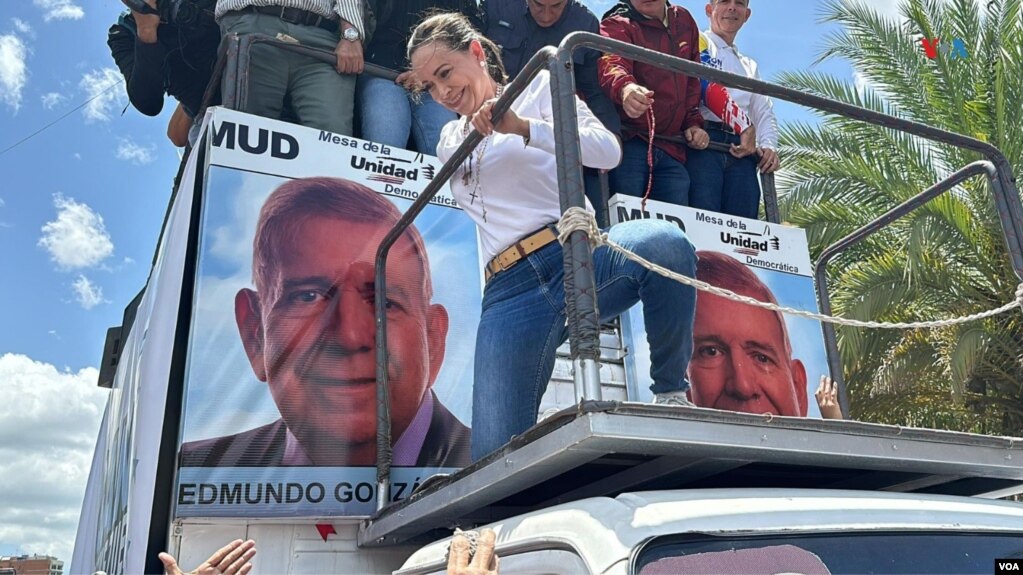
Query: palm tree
point(944, 260)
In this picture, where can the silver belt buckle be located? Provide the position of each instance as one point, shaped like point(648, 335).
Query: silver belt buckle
point(283, 18)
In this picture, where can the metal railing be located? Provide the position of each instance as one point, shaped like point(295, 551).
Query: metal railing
point(581, 308)
point(981, 167)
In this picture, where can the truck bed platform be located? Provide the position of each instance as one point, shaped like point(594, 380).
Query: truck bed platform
point(607, 448)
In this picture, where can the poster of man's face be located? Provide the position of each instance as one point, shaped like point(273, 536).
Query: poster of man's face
point(744, 358)
point(282, 366)
point(309, 327)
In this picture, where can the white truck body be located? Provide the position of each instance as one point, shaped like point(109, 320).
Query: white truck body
point(606, 535)
point(589, 490)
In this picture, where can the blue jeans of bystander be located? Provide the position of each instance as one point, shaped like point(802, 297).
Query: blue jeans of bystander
point(389, 114)
point(523, 323)
point(721, 182)
point(671, 180)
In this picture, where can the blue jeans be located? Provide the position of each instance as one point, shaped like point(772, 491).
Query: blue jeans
point(389, 114)
point(671, 180)
point(523, 323)
point(593, 191)
point(721, 182)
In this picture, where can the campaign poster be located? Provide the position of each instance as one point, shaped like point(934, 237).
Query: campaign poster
point(280, 387)
point(744, 358)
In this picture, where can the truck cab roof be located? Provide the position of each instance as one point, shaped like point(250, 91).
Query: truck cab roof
point(606, 532)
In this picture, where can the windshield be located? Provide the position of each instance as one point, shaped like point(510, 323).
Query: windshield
point(831, 554)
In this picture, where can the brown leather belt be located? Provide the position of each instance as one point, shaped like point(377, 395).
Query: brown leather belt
point(520, 249)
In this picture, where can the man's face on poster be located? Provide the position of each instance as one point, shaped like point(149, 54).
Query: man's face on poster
point(742, 360)
point(311, 335)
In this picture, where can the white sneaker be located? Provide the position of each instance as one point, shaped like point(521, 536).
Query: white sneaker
point(673, 398)
point(547, 413)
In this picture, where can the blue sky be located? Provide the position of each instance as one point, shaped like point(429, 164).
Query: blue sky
point(80, 209)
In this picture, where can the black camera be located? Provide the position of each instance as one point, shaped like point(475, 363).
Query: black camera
point(189, 13)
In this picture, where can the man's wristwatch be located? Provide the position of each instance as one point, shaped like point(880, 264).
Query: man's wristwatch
point(351, 34)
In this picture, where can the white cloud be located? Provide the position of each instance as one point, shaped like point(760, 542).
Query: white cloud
point(60, 9)
point(77, 238)
point(860, 82)
point(104, 98)
point(129, 151)
point(22, 27)
point(49, 421)
point(13, 71)
point(88, 294)
point(52, 99)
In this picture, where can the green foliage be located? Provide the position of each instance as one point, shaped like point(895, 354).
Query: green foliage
point(946, 259)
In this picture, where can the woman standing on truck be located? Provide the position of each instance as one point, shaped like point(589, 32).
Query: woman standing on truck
point(508, 186)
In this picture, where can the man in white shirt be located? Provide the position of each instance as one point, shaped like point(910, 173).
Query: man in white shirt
point(320, 96)
point(727, 181)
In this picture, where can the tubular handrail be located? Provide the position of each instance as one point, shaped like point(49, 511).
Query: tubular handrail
point(767, 188)
point(238, 45)
point(579, 289)
point(820, 269)
point(580, 295)
point(1010, 210)
point(1006, 195)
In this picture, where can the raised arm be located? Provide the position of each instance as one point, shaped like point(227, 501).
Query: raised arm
point(140, 61)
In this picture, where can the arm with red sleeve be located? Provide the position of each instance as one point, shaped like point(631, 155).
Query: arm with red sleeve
point(616, 72)
point(693, 117)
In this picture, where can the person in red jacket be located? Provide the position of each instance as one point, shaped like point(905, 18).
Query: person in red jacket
point(646, 95)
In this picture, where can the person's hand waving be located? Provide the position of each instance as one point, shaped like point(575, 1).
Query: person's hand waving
point(231, 559)
point(827, 398)
point(483, 562)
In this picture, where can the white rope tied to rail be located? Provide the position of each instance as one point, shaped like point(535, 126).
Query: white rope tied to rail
point(578, 219)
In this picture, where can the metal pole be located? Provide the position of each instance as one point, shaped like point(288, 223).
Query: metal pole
point(580, 285)
point(830, 338)
point(770, 194)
